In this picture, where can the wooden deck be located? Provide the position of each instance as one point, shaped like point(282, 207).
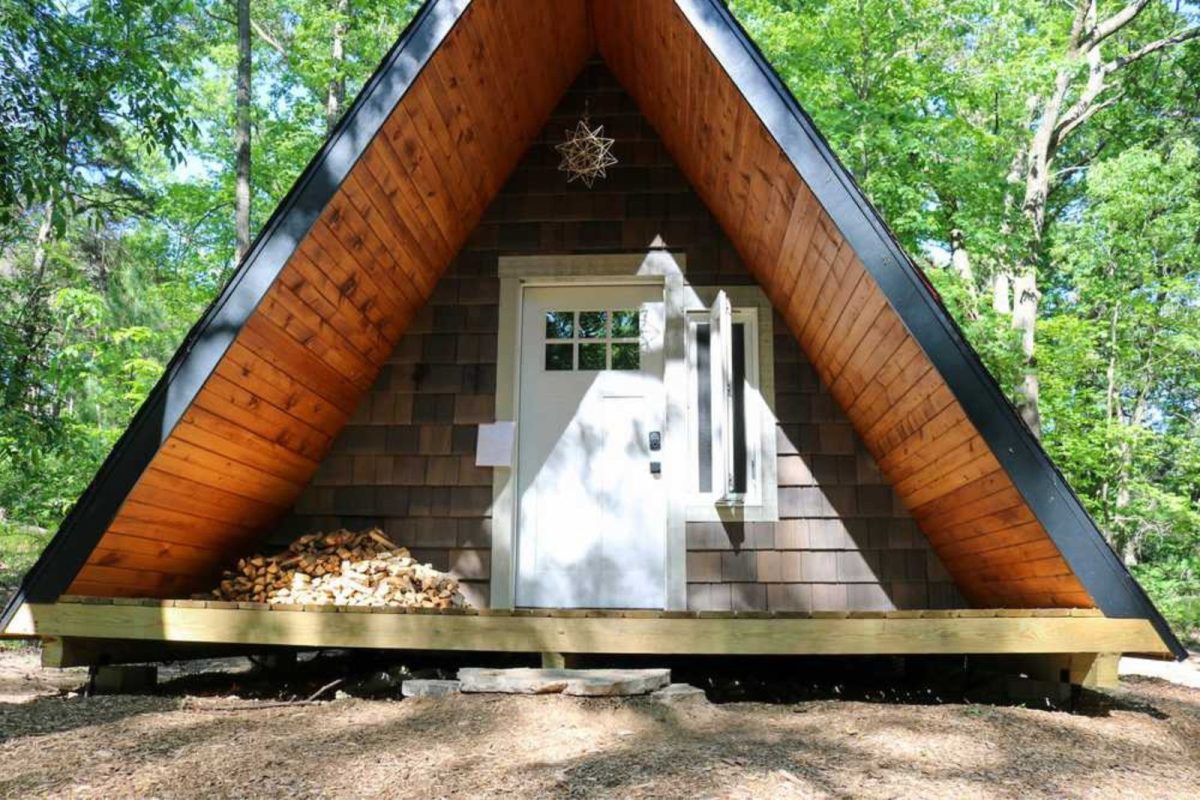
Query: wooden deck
point(962, 631)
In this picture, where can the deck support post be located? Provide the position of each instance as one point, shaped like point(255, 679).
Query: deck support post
point(1094, 670)
point(559, 660)
point(1087, 670)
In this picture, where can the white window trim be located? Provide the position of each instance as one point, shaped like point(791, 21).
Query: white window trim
point(750, 306)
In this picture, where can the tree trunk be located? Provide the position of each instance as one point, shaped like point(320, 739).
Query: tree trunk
point(242, 134)
point(1056, 121)
point(336, 96)
point(29, 322)
point(1110, 400)
point(1129, 542)
point(1025, 309)
point(1002, 293)
point(960, 262)
point(1128, 537)
point(41, 243)
point(1039, 159)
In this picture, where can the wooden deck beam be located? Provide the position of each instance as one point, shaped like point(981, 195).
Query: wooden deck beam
point(902, 633)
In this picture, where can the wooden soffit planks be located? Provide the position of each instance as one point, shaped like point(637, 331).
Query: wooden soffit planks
point(255, 433)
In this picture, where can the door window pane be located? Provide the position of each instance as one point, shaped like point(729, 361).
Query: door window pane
point(592, 324)
point(624, 324)
point(591, 356)
point(559, 357)
point(560, 324)
point(626, 355)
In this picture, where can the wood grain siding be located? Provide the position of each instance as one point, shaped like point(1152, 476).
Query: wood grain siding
point(901, 408)
point(405, 460)
point(255, 434)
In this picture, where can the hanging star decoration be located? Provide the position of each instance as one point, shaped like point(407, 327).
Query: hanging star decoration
point(586, 153)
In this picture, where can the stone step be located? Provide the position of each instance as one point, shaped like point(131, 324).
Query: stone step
point(679, 693)
point(578, 682)
point(429, 687)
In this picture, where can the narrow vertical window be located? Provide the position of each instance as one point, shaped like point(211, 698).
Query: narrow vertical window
point(730, 420)
point(738, 443)
point(704, 443)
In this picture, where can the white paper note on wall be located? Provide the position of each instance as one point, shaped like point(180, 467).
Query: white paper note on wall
point(495, 445)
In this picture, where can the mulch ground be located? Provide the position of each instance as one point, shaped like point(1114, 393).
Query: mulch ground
point(1142, 740)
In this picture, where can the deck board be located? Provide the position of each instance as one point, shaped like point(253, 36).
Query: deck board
point(959, 631)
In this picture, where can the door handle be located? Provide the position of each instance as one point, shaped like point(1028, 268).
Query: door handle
point(655, 440)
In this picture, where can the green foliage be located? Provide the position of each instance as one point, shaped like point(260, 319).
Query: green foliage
point(115, 122)
point(1125, 341)
point(85, 95)
point(989, 332)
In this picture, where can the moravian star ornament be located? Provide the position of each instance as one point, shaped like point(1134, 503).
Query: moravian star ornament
point(586, 153)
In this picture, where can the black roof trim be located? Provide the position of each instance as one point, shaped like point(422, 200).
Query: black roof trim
point(1041, 484)
point(208, 340)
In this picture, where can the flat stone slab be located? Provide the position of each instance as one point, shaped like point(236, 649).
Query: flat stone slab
point(578, 682)
point(679, 693)
point(429, 687)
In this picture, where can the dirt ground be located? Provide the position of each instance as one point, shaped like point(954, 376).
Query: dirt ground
point(1142, 740)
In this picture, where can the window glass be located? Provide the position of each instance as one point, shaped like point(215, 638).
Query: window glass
point(593, 324)
point(559, 357)
point(728, 350)
point(625, 324)
point(704, 443)
point(591, 356)
point(745, 433)
point(626, 355)
point(560, 324)
point(602, 337)
point(702, 342)
point(739, 408)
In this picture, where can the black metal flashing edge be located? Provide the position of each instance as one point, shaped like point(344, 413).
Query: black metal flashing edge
point(211, 336)
point(1038, 480)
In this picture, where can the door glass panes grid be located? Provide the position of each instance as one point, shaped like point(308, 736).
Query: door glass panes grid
point(592, 340)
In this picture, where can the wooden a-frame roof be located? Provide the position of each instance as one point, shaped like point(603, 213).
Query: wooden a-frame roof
point(264, 381)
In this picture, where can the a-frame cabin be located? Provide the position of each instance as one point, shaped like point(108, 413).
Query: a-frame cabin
point(744, 422)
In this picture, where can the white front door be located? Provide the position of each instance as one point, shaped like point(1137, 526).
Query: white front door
point(592, 510)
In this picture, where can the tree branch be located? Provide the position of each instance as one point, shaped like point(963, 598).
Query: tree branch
point(1072, 123)
point(1114, 23)
point(1152, 47)
point(1079, 21)
point(266, 36)
point(218, 17)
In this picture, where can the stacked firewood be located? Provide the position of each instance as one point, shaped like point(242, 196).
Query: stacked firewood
point(340, 568)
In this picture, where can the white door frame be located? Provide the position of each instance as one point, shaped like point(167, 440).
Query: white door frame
point(653, 267)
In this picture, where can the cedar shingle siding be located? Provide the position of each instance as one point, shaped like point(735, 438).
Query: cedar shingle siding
point(406, 460)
